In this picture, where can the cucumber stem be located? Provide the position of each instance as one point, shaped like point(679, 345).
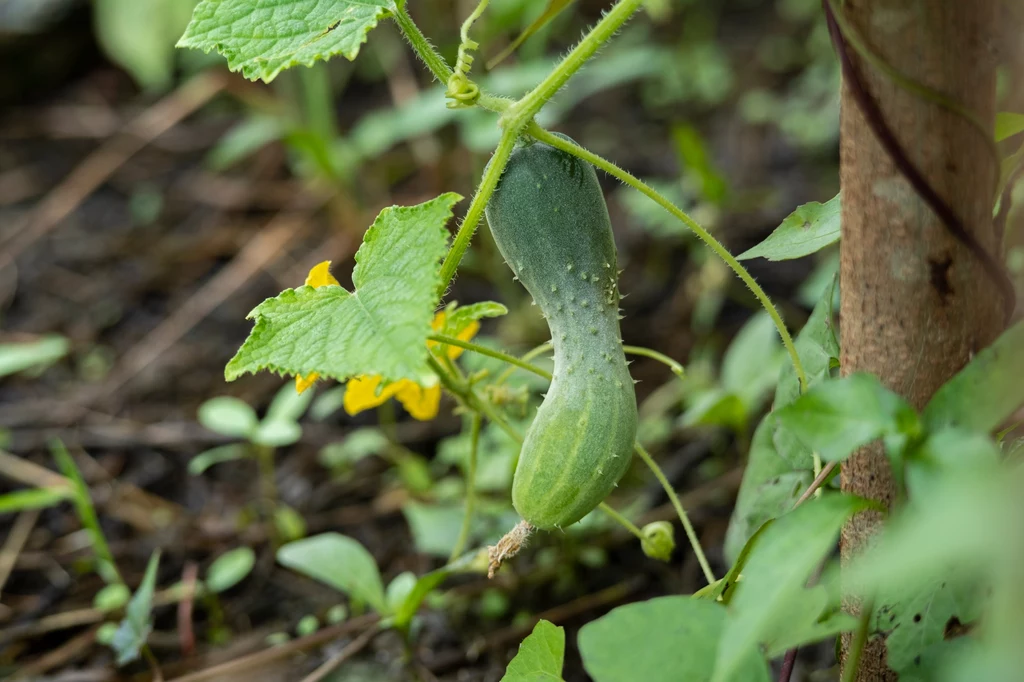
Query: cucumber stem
point(621, 520)
point(691, 534)
point(496, 354)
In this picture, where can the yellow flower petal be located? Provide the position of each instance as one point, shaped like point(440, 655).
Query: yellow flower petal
point(465, 335)
point(320, 276)
point(363, 392)
point(304, 382)
point(421, 403)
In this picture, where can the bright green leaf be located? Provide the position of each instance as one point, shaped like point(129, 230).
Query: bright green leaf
point(461, 317)
point(358, 444)
point(260, 39)
point(715, 407)
point(111, 597)
point(140, 36)
point(837, 417)
point(17, 357)
point(223, 453)
point(229, 569)
point(228, 416)
point(340, 562)
point(985, 392)
point(277, 433)
point(808, 229)
point(307, 625)
point(134, 630)
point(667, 639)
point(399, 589)
point(540, 657)
point(33, 498)
point(808, 616)
point(86, 512)
point(776, 572)
point(288, 523)
point(328, 402)
point(381, 328)
point(288, 404)
point(1008, 124)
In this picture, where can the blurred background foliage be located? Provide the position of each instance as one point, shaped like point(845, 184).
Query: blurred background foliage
point(116, 322)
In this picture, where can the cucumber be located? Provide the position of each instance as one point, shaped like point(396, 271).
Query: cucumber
point(550, 222)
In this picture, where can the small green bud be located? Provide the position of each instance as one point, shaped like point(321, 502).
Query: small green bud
point(659, 540)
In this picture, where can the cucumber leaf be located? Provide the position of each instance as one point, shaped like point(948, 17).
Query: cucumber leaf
point(808, 229)
point(380, 328)
point(261, 39)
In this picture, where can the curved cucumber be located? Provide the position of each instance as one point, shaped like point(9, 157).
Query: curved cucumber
point(550, 222)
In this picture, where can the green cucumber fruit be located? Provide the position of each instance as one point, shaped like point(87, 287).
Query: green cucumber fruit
point(550, 222)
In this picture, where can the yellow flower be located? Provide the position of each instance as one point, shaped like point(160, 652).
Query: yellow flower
point(364, 392)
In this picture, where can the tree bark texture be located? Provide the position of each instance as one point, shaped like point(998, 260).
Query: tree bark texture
point(916, 304)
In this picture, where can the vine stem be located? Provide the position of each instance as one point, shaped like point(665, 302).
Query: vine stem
point(539, 350)
point(860, 638)
point(435, 62)
point(496, 354)
point(467, 520)
point(691, 534)
point(521, 112)
point(621, 520)
point(676, 368)
point(476, 209)
point(546, 137)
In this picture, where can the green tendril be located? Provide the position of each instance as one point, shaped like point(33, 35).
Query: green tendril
point(463, 93)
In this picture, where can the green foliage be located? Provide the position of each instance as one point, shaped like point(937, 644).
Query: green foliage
point(837, 417)
point(228, 416)
point(140, 36)
point(810, 228)
point(32, 498)
point(31, 355)
point(750, 367)
point(261, 39)
point(229, 569)
point(540, 656)
point(86, 512)
point(111, 597)
point(662, 640)
point(340, 562)
point(132, 633)
point(771, 604)
point(985, 392)
point(381, 328)
point(1008, 124)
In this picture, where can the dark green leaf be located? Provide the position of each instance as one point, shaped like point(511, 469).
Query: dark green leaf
point(667, 639)
point(985, 392)
point(809, 228)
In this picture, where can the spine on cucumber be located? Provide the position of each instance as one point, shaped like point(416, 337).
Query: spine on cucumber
point(550, 222)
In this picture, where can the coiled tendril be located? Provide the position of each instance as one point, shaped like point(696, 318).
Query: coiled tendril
point(462, 92)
